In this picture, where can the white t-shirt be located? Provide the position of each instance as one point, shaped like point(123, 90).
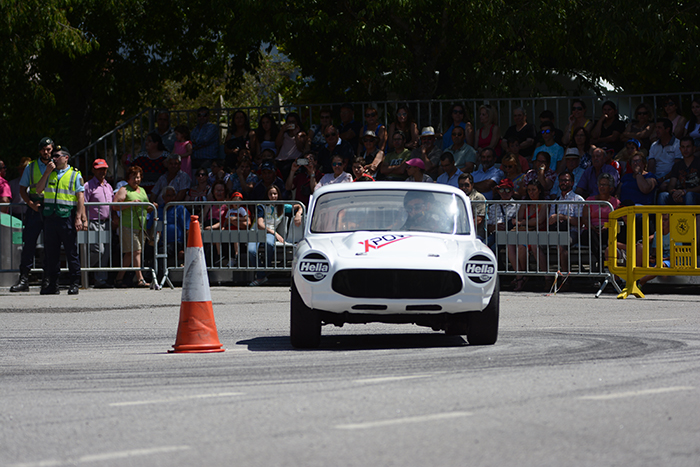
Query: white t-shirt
point(331, 178)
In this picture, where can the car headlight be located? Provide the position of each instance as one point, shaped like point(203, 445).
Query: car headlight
point(480, 269)
point(314, 267)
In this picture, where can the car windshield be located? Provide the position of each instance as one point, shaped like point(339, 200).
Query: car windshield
point(390, 210)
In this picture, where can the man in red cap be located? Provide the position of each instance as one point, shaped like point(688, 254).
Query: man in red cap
point(98, 190)
point(502, 216)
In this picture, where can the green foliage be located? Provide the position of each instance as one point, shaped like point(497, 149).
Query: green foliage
point(275, 79)
point(68, 68)
point(448, 48)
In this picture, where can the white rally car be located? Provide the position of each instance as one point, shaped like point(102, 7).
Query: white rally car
point(393, 252)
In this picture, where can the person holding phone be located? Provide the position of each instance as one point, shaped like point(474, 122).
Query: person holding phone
point(303, 171)
point(287, 150)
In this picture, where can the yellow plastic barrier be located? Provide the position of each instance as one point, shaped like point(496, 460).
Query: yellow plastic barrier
point(682, 230)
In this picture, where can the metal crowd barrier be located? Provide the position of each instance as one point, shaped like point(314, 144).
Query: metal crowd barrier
point(238, 246)
point(232, 244)
point(100, 248)
point(679, 241)
point(105, 238)
point(559, 249)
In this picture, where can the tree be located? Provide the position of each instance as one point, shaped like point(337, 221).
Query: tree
point(69, 68)
point(275, 78)
point(417, 49)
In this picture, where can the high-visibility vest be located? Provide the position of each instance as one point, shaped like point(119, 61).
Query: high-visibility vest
point(35, 174)
point(59, 195)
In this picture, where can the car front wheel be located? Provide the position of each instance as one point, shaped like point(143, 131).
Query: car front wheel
point(305, 331)
point(483, 327)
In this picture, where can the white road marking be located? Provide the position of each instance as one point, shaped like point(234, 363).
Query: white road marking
point(644, 392)
point(654, 320)
point(400, 421)
point(175, 399)
point(389, 379)
point(103, 457)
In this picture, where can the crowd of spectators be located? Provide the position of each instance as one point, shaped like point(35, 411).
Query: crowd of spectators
point(648, 159)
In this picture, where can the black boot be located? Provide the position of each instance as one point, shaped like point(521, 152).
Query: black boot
point(50, 289)
point(74, 288)
point(22, 285)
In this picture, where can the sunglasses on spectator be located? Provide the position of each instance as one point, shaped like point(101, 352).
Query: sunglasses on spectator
point(201, 174)
point(576, 108)
point(337, 164)
point(458, 111)
point(505, 190)
point(330, 135)
point(368, 140)
point(546, 132)
point(371, 114)
point(401, 114)
point(457, 134)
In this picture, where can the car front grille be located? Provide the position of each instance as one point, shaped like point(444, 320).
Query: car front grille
point(396, 283)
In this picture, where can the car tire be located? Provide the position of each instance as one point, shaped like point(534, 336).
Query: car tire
point(483, 327)
point(305, 329)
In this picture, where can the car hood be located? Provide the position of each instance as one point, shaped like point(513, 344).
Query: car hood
point(393, 245)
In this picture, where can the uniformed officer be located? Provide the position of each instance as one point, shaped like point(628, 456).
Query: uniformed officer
point(33, 218)
point(64, 215)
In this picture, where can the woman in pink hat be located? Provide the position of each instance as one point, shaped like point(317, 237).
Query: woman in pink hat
point(415, 168)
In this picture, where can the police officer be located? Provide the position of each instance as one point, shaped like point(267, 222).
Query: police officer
point(64, 215)
point(33, 218)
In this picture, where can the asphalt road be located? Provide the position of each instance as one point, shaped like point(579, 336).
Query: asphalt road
point(572, 380)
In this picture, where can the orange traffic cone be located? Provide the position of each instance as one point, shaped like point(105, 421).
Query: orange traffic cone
point(197, 330)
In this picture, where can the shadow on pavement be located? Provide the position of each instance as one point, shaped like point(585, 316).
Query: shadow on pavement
point(359, 342)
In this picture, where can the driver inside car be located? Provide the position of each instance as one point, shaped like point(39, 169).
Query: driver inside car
point(419, 208)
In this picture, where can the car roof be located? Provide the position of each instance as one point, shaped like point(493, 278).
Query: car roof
point(364, 186)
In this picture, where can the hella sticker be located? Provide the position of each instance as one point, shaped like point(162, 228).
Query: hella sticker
point(480, 269)
point(314, 271)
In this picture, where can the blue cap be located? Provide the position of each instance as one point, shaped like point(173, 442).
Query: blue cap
point(635, 141)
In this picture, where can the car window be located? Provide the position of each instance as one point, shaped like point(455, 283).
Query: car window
point(390, 210)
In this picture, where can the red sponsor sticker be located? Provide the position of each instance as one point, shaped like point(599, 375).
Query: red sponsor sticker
point(375, 243)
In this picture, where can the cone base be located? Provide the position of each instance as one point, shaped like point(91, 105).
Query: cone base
point(196, 350)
